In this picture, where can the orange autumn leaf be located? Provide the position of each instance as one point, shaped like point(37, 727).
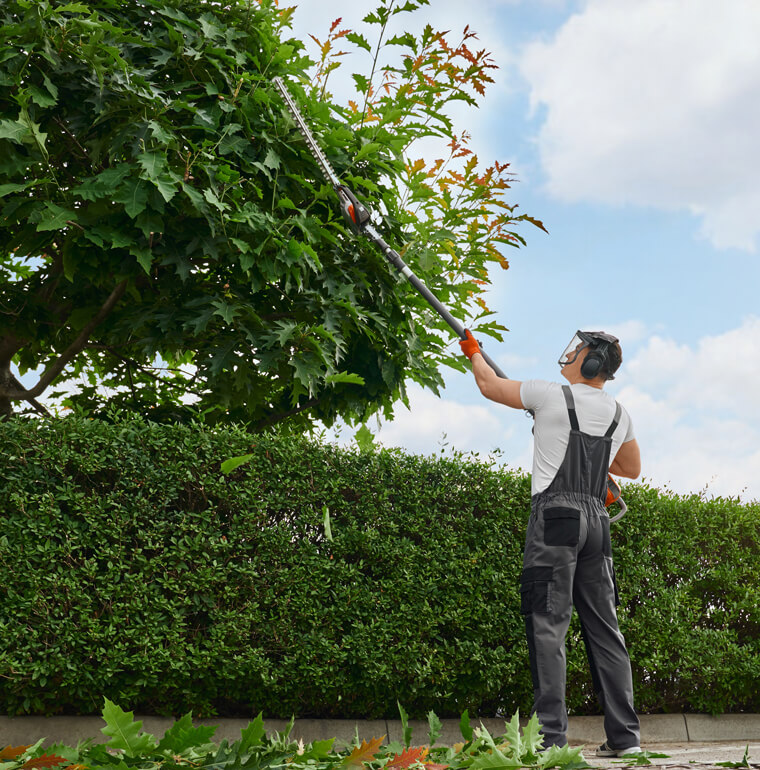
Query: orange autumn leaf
point(11, 752)
point(407, 758)
point(364, 753)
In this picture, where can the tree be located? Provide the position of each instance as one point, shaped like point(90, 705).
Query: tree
point(164, 231)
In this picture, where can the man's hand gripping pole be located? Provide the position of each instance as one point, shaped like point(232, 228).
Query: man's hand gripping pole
point(358, 218)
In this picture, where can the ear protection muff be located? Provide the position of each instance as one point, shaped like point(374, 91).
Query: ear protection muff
point(595, 360)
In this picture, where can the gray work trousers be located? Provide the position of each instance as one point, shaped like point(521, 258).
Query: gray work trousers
point(568, 561)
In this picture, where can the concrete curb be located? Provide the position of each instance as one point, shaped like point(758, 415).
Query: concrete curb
point(659, 728)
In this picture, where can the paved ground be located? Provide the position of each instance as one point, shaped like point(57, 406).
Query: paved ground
point(699, 756)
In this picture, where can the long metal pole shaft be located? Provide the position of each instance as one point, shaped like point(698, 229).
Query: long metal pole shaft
point(367, 228)
point(395, 259)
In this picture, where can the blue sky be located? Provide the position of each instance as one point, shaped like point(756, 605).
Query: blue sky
point(632, 126)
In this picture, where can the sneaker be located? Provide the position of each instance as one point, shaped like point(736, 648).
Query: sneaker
point(605, 750)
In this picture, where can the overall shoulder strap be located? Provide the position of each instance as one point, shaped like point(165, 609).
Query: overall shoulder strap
point(615, 421)
point(570, 401)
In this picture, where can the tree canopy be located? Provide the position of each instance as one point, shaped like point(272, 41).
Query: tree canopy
point(167, 242)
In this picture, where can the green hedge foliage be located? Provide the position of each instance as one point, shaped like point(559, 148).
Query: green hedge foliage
point(131, 567)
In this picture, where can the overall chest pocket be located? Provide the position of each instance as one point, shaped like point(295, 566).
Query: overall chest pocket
point(562, 526)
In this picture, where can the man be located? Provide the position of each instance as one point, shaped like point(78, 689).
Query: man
point(580, 434)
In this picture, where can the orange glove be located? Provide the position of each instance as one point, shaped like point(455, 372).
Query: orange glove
point(470, 345)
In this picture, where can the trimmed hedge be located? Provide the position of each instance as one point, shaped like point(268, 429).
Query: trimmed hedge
point(131, 567)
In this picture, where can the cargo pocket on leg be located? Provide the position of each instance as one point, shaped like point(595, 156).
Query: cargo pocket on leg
point(536, 590)
point(562, 526)
point(614, 585)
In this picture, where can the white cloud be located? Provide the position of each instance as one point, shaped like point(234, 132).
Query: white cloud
point(696, 411)
point(432, 424)
point(655, 103)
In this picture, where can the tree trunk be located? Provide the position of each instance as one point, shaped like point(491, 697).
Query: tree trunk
point(7, 383)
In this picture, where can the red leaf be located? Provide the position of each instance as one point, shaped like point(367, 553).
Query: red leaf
point(44, 761)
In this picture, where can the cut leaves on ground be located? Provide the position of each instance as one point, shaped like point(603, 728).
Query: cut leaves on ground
point(186, 744)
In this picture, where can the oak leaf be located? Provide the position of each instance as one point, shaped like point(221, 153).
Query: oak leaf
point(364, 753)
point(407, 758)
point(11, 752)
point(46, 760)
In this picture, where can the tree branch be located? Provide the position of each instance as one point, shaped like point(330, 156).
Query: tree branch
point(273, 419)
point(147, 370)
point(76, 347)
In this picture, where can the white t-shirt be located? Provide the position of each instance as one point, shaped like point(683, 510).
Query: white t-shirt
point(595, 410)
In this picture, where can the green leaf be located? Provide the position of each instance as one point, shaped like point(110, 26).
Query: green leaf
point(134, 196)
point(212, 198)
point(7, 189)
point(562, 757)
point(362, 83)
point(347, 377)
point(153, 163)
point(359, 40)
point(125, 733)
point(144, 256)
point(495, 761)
point(104, 185)
point(13, 130)
point(370, 148)
point(512, 734)
point(159, 133)
point(533, 740)
point(34, 129)
point(242, 245)
point(40, 97)
point(74, 8)
point(182, 735)
point(252, 735)
point(435, 728)
point(326, 522)
point(55, 217)
point(51, 87)
point(225, 310)
point(406, 731)
point(210, 28)
point(407, 40)
point(227, 467)
point(318, 750)
point(365, 440)
point(272, 159)
point(286, 329)
point(464, 726)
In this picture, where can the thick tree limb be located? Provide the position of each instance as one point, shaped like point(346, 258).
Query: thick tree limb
point(76, 347)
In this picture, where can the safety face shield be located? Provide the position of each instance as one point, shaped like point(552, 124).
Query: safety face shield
point(571, 352)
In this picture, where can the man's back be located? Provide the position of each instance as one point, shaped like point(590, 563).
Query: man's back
point(595, 410)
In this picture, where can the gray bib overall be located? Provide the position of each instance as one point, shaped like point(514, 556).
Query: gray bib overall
point(568, 561)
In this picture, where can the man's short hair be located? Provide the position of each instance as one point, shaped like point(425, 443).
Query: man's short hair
point(614, 359)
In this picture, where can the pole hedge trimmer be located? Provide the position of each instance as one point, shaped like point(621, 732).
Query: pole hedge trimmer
point(358, 218)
